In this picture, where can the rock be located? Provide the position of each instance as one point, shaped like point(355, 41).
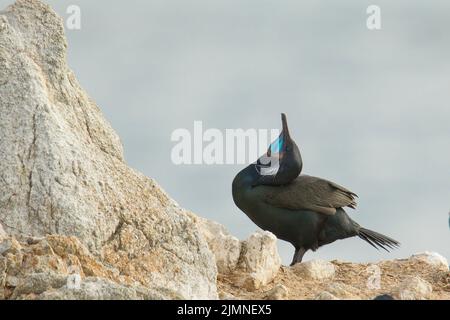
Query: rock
point(62, 170)
point(413, 288)
point(325, 295)
point(433, 259)
point(46, 270)
point(259, 262)
point(343, 291)
point(315, 269)
point(225, 247)
point(352, 281)
point(279, 292)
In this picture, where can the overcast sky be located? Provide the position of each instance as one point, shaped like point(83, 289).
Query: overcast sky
point(369, 110)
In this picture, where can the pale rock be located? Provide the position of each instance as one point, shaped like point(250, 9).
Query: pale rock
point(225, 247)
point(325, 295)
point(278, 292)
point(259, 261)
point(62, 169)
point(315, 269)
point(413, 288)
point(433, 259)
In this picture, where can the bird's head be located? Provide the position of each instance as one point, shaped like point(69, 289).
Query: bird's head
point(282, 163)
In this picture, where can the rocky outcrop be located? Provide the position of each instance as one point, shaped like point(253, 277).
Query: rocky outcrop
point(252, 263)
point(62, 170)
point(406, 279)
point(61, 267)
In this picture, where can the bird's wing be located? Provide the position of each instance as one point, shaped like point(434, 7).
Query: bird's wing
point(311, 193)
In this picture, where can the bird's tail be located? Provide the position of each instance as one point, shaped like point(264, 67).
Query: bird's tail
point(377, 240)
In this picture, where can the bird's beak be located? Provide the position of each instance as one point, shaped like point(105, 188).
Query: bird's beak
point(285, 131)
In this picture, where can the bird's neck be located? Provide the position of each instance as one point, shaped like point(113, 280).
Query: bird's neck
point(246, 178)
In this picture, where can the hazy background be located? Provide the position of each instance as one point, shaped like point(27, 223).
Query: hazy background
point(369, 109)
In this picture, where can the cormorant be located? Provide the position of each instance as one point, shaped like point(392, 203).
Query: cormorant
point(303, 210)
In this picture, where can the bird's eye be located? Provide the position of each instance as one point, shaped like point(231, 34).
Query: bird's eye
point(288, 148)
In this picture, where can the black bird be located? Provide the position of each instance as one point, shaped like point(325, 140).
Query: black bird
point(303, 210)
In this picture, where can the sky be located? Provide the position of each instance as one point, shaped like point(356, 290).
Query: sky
point(369, 109)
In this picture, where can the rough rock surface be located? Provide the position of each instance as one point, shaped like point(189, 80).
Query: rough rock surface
point(325, 295)
point(251, 263)
point(315, 269)
point(413, 288)
point(42, 268)
point(62, 169)
point(259, 261)
point(398, 278)
point(279, 292)
point(433, 259)
point(343, 291)
point(225, 247)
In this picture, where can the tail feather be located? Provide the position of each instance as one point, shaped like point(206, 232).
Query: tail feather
point(377, 240)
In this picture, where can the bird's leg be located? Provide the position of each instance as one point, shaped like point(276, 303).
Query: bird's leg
point(298, 255)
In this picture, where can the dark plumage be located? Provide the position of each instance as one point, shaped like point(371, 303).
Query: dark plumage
point(311, 193)
point(384, 297)
point(303, 210)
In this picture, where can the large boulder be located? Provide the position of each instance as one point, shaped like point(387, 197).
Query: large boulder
point(62, 169)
